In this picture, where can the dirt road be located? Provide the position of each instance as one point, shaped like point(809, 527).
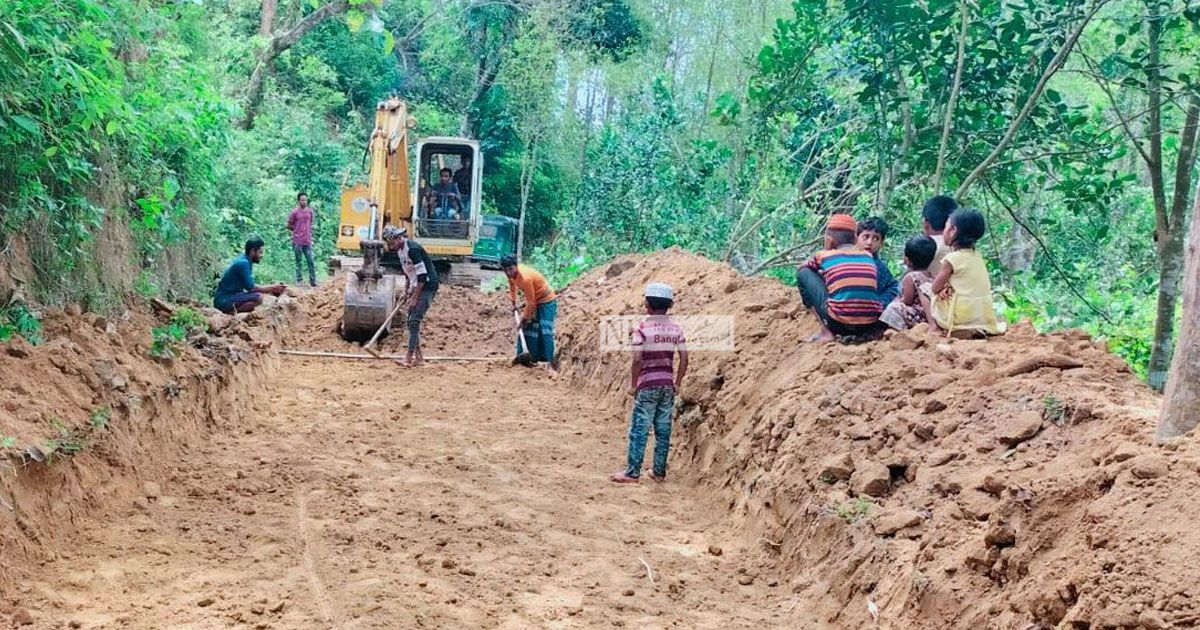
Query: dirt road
point(468, 496)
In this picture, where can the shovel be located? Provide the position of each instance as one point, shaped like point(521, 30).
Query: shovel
point(525, 358)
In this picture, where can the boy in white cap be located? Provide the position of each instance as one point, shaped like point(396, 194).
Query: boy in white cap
point(654, 383)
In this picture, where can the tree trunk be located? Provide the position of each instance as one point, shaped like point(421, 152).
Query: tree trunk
point(1181, 405)
point(1169, 277)
point(266, 24)
point(485, 78)
point(1171, 236)
point(948, 120)
point(528, 166)
point(278, 44)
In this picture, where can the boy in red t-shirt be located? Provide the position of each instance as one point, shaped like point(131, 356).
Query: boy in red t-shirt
point(654, 382)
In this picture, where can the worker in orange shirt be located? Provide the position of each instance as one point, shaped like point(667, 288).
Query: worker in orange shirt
point(541, 309)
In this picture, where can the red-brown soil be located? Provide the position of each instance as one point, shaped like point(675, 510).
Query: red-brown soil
point(945, 483)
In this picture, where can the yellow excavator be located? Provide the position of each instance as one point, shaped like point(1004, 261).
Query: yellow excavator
point(439, 205)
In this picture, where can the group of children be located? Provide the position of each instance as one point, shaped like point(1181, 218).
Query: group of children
point(853, 295)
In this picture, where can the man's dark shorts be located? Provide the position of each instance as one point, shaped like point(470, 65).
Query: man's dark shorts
point(815, 296)
point(230, 306)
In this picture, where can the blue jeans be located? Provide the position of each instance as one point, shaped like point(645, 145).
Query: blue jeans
point(305, 252)
point(539, 335)
point(651, 405)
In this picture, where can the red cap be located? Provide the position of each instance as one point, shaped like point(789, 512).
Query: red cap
point(841, 222)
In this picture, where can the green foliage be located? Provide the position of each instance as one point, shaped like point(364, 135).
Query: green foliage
point(67, 441)
point(17, 319)
point(100, 417)
point(1054, 409)
point(852, 510)
point(167, 340)
point(7, 441)
point(606, 28)
point(728, 129)
point(189, 318)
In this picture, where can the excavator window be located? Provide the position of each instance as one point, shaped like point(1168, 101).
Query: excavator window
point(446, 188)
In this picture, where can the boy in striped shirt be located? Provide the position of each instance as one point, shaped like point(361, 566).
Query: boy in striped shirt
point(840, 284)
point(654, 382)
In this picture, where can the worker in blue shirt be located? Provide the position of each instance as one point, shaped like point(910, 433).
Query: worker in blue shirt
point(236, 292)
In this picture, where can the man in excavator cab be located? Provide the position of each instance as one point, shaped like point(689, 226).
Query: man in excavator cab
point(443, 201)
point(422, 280)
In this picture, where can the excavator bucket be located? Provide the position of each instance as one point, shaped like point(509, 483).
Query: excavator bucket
point(370, 296)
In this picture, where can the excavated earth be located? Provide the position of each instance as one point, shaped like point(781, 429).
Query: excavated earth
point(915, 482)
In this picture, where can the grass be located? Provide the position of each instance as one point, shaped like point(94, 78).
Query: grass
point(853, 509)
point(67, 442)
point(1054, 409)
point(100, 417)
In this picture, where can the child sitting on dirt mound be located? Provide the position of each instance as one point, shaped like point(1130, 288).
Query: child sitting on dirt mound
point(906, 311)
point(654, 383)
point(960, 298)
point(840, 284)
point(870, 236)
point(934, 214)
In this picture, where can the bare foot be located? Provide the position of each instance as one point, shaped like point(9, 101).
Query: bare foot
point(822, 337)
point(621, 477)
point(656, 477)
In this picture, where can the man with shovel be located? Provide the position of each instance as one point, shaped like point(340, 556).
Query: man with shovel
point(535, 323)
point(421, 294)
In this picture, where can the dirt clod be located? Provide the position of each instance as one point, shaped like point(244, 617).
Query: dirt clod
point(1022, 427)
point(1148, 466)
point(893, 520)
point(871, 479)
point(837, 468)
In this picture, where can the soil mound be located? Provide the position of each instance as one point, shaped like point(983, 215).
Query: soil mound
point(920, 482)
point(462, 322)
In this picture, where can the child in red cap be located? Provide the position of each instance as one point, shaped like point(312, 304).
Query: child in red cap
point(840, 285)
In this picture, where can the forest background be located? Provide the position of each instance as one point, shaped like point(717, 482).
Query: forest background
point(141, 141)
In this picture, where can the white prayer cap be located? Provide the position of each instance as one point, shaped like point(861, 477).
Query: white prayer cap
point(659, 290)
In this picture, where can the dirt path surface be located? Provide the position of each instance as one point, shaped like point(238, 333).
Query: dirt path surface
point(464, 496)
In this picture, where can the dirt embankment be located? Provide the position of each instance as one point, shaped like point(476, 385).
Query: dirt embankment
point(89, 414)
point(920, 482)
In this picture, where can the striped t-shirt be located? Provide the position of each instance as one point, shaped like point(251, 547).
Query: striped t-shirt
point(658, 337)
point(851, 279)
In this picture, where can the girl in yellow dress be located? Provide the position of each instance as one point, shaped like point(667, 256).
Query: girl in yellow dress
point(961, 295)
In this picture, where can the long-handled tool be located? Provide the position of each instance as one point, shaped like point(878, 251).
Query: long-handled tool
point(370, 345)
point(525, 358)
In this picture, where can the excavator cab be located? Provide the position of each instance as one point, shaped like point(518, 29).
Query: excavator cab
point(447, 193)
